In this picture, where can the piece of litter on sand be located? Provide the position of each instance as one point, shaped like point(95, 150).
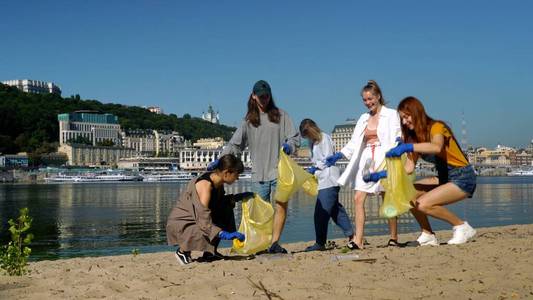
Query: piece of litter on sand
point(352, 257)
point(344, 257)
point(275, 256)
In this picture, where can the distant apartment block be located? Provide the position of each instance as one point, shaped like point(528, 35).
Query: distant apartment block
point(148, 143)
point(87, 155)
point(209, 143)
point(34, 86)
point(342, 134)
point(90, 126)
point(197, 159)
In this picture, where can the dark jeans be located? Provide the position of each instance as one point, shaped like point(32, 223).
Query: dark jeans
point(328, 206)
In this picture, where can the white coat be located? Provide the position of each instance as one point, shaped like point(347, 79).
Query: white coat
point(388, 130)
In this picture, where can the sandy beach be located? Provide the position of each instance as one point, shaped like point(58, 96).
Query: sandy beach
point(498, 264)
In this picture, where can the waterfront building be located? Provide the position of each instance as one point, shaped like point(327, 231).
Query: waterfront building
point(198, 159)
point(143, 142)
point(169, 143)
point(90, 126)
point(342, 134)
point(211, 115)
point(209, 143)
point(521, 158)
point(498, 157)
point(88, 155)
point(34, 86)
point(12, 161)
point(149, 164)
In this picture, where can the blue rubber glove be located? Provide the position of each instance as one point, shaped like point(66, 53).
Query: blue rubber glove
point(224, 235)
point(242, 196)
point(374, 177)
point(312, 170)
point(213, 165)
point(332, 159)
point(399, 150)
point(286, 148)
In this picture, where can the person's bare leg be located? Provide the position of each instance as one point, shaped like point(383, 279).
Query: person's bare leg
point(432, 203)
point(360, 217)
point(279, 220)
point(422, 187)
point(393, 228)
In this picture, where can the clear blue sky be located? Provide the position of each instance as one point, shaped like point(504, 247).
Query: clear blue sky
point(474, 57)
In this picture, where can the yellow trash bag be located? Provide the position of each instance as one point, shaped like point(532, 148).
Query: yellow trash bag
point(399, 189)
point(256, 224)
point(291, 177)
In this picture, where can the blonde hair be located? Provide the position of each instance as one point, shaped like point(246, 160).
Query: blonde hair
point(309, 129)
point(373, 87)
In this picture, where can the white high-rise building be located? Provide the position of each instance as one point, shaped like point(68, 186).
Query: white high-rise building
point(90, 126)
point(34, 86)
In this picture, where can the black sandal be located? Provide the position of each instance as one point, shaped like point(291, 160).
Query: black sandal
point(353, 246)
point(393, 243)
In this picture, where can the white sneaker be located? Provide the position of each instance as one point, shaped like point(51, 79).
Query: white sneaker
point(426, 239)
point(462, 233)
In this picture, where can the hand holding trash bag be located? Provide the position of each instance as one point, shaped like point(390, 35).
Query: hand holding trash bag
point(400, 149)
point(375, 177)
point(286, 148)
point(224, 235)
point(312, 170)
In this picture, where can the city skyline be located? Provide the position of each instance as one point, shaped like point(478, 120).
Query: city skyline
point(184, 57)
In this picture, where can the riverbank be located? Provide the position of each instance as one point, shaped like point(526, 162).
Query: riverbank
point(497, 264)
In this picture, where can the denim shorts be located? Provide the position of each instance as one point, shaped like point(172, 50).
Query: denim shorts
point(265, 189)
point(464, 178)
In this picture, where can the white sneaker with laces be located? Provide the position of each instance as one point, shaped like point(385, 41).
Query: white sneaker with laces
point(461, 234)
point(426, 239)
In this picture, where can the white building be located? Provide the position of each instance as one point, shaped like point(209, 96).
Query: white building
point(90, 126)
point(211, 115)
point(155, 109)
point(198, 159)
point(342, 134)
point(209, 143)
point(34, 86)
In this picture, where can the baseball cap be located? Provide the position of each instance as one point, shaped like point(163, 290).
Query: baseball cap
point(262, 88)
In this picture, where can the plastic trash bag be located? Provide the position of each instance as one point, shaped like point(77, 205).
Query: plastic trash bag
point(292, 177)
point(399, 189)
point(256, 224)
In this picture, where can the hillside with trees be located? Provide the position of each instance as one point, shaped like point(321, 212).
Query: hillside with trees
point(28, 122)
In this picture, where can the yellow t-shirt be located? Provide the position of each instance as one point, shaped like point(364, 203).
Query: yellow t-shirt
point(451, 153)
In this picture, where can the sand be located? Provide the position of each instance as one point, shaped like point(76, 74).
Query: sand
point(497, 264)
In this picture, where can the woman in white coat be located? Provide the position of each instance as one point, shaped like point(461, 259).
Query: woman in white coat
point(374, 134)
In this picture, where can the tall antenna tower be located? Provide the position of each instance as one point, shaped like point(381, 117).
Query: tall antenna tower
point(464, 143)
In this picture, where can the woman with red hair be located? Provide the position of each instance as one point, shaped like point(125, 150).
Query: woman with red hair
point(433, 141)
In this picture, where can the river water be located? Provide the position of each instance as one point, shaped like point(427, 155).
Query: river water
point(94, 219)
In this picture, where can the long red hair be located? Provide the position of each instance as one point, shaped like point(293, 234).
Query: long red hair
point(421, 121)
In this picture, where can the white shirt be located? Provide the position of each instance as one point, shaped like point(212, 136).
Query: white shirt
point(327, 176)
point(388, 129)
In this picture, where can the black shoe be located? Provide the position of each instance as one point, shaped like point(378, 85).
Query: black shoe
point(209, 257)
point(183, 257)
point(315, 247)
point(276, 248)
point(353, 246)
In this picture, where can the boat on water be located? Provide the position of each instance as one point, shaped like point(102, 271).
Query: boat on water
point(245, 175)
point(520, 173)
point(166, 177)
point(91, 177)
